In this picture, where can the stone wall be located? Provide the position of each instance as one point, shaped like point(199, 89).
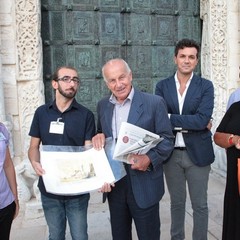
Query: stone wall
point(29, 68)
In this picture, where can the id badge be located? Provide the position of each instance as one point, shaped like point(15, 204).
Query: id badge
point(56, 127)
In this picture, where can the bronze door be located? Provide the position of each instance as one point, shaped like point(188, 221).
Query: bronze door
point(87, 33)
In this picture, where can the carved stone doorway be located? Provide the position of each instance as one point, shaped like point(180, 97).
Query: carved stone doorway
point(87, 33)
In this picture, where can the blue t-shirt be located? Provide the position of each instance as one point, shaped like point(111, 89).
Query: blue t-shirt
point(6, 195)
point(79, 126)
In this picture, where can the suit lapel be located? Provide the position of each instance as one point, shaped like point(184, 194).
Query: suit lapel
point(136, 108)
point(108, 116)
point(190, 93)
point(173, 95)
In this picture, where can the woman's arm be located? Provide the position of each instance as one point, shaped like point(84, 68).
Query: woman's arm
point(226, 140)
point(11, 177)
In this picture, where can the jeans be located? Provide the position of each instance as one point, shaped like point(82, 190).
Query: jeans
point(179, 170)
point(57, 212)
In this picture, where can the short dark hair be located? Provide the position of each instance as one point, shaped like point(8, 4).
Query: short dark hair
point(55, 74)
point(189, 43)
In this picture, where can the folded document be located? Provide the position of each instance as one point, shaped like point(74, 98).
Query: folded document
point(134, 140)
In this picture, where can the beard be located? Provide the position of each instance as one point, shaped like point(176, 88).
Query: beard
point(68, 95)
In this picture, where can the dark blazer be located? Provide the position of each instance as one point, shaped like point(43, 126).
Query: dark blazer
point(196, 114)
point(149, 112)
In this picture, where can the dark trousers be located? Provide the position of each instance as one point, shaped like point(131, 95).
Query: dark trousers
point(6, 218)
point(123, 209)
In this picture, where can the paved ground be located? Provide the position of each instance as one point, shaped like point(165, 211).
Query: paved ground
point(28, 227)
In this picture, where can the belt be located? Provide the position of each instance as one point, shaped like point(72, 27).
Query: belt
point(181, 148)
point(180, 130)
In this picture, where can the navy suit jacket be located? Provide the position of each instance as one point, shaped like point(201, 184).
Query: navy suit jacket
point(196, 114)
point(149, 112)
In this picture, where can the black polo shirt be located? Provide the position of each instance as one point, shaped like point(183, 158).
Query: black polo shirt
point(79, 126)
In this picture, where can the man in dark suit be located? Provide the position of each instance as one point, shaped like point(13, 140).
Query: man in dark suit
point(190, 102)
point(136, 196)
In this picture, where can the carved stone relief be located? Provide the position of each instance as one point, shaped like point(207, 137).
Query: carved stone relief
point(214, 62)
point(30, 85)
point(219, 42)
point(28, 39)
point(30, 93)
point(27, 182)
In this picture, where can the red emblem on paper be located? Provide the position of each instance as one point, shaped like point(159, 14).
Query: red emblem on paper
point(125, 139)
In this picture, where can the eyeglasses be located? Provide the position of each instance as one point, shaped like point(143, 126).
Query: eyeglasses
point(68, 79)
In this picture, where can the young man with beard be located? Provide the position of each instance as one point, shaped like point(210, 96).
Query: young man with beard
point(77, 127)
